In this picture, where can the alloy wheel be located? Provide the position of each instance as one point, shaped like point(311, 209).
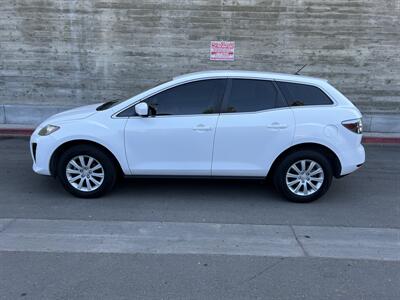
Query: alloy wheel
point(304, 177)
point(85, 173)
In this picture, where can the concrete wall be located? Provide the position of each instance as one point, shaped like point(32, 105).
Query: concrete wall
point(73, 52)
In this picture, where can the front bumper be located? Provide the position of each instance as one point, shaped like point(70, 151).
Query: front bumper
point(41, 148)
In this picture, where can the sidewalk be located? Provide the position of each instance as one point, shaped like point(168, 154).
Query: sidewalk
point(19, 130)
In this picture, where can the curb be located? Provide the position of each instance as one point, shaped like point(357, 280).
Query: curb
point(15, 132)
point(26, 132)
point(380, 140)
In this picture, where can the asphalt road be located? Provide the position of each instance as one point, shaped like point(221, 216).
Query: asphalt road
point(95, 276)
point(368, 198)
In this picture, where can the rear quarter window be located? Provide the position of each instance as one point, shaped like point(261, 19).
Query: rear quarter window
point(297, 94)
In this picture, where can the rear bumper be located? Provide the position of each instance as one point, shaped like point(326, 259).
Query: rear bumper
point(352, 159)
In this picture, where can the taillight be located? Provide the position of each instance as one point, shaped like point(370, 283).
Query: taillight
point(354, 125)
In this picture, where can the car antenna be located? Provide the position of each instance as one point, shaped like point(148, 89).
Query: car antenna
point(298, 71)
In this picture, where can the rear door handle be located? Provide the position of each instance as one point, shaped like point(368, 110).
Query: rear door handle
point(202, 127)
point(276, 125)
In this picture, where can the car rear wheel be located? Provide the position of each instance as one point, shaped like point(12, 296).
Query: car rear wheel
point(303, 176)
point(86, 171)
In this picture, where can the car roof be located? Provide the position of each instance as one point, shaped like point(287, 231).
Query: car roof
point(249, 74)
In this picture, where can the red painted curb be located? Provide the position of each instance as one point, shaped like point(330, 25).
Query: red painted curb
point(16, 131)
point(366, 139)
point(380, 140)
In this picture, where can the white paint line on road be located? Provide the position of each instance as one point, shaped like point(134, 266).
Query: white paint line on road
point(350, 242)
point(4, 223)
point(148, 237)
point(199, 238)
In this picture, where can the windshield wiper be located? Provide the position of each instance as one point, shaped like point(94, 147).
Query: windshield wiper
point(107, 105)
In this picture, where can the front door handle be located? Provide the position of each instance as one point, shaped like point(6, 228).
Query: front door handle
point(276, 125)
point(202, 127)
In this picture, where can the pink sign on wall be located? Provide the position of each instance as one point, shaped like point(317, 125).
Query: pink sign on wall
point(222, 51)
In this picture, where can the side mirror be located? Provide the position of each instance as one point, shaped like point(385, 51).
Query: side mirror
point(142, 109)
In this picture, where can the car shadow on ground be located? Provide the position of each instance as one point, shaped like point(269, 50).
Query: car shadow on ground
point(196, 188)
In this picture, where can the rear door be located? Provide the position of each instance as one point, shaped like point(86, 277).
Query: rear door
point(254, 127)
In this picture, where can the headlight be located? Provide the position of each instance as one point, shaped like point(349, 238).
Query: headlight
point(48, 129)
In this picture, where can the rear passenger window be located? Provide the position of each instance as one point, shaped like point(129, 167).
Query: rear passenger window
point(253, 95)
point(301, 94)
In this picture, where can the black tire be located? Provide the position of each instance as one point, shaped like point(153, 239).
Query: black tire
point(107, 164)
point(279, 176)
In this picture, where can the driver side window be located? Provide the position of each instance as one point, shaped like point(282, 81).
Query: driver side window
point(193, 98)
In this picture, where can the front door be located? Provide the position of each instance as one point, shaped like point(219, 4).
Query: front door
point(177, 138)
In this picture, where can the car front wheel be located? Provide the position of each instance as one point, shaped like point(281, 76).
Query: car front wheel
point(86, 172)
point(303, 176)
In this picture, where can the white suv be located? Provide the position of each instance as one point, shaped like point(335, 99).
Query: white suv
point(298, 130)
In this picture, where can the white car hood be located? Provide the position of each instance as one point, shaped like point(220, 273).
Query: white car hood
point(73, 114)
